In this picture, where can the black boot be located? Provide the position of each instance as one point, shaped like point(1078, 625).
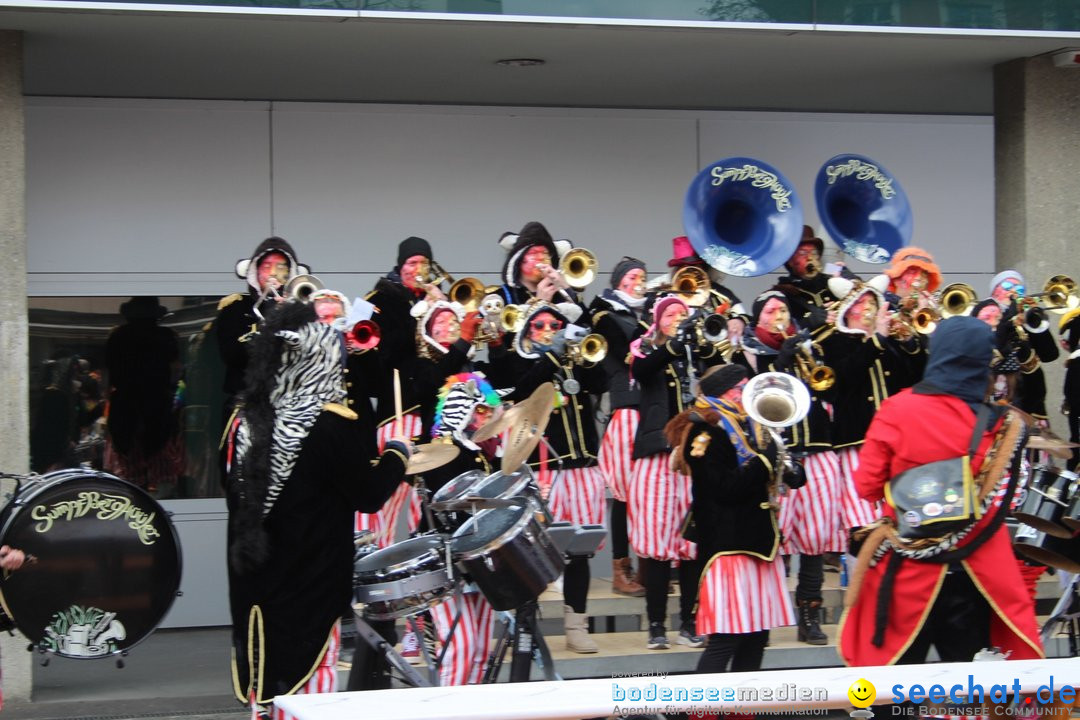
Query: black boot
point(810, 623)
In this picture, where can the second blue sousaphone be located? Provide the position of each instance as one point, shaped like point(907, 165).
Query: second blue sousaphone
point(863, 208)
point(742, 217)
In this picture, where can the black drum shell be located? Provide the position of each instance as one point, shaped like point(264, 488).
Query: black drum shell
point(1071, 518)
point(99, 543)
point(512, 564)
point(1047, 501)
point(1045, 549)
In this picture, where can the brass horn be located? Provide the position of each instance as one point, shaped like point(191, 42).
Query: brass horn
point(957, 299)
point(692, 284)
point(776, 399)
point(437, 275)
point(512, 318)
point(592, 348)
point(578, 267)
point(301, 287)
point(467, 292)
point(1060, 294)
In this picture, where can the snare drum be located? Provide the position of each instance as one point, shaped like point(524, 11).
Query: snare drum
point(1045, 549)
point(105, 569)
point(508, 554)
point(519, 483)
point(1047, 499)
point(404, 579)
point(459, 487)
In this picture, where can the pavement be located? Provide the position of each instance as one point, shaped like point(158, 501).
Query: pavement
point(180, 673)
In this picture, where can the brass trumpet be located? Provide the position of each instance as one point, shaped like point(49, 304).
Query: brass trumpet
point(592, 349)
point(301, 287)
point(578, 267)
point(818, 376)
point(469, 292)
point(436, 275)
point(366, 334)
point(956, 299)
point(512, 318)
point(692, 284)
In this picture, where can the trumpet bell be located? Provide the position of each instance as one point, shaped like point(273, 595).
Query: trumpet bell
point(593, 348)
point(822, 377)
point(775, 399)
point(925, 321)
point(1061, 294)
point(467, 292)
point(692, 284)
point(957, 299)
point(578, 267)
point(512, 318)
point(714, 328)
point(863, 208)
point(301, 287)
point(742, 217)
point(366, 334)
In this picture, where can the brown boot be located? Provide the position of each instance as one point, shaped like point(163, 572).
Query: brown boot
point(622, 579)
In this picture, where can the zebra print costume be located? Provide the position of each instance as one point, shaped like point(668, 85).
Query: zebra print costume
point(297, 367)
point(459, 397)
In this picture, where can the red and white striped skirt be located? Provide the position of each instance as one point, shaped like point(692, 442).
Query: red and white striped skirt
point(323, 680)
point(384, 522)
point(468, 648)
point(656, 506)
point(856, 511)
point(811, 517)
point(577, 496)
point(617, 449)
point(743, 594)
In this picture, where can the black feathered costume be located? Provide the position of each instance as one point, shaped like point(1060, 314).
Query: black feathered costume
point(298, 469)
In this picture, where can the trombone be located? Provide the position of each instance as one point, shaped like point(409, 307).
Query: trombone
point(953, 300)
point(302, 287)
point(1060, 295)
point(471, 294)
point(692, 284)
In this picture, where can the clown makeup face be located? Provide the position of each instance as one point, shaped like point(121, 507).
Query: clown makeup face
point(273, 270)
point(415, 271)
point(445, 328)
point(671, 318)
point(734, 394)
point(991, 315)
point(481, 415)
point(633, 283)
point(775, 316)
point(806, 262)
point(542, 328)
point(911, 282)
point(328, 309)
point(532, 262)
point(1008, 289)
point(863, 314)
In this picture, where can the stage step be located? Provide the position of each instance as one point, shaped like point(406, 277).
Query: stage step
point(604, 602)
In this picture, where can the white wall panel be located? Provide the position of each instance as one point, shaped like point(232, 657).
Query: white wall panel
point(351, 182)
point(139, 186)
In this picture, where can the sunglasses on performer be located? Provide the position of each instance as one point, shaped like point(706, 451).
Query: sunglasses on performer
point(555, 325)
point(1010, 285)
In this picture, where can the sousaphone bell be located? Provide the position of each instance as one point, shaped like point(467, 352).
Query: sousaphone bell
point(742, 217)
point(863, 208)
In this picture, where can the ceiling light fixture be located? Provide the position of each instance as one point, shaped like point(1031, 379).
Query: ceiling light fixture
point(520, 62)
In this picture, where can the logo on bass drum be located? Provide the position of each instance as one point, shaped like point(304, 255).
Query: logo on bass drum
point(108, 507)
point(84, 632)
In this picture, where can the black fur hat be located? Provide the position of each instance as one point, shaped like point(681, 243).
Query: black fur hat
point(248, 268)
point(531, 235)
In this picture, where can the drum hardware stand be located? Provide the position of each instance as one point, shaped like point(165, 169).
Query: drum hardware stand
point(1066, 614)
point(378, 643)
point(521, 633)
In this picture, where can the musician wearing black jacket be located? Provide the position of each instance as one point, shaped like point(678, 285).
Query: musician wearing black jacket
point(733, 465)
point(617, 315)
point(658, 497)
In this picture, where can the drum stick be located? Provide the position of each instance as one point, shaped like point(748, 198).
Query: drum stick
point(397, 397)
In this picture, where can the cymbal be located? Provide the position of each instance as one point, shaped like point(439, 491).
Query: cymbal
point(528, 427)
point(496, 426)
point(430, 456)
point(1053, 445)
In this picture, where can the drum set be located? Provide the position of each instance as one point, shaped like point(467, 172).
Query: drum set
point(1046, 531)
point(493, 533)
point(102, 567)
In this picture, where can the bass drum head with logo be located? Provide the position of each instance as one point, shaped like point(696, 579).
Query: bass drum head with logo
point(105, 565)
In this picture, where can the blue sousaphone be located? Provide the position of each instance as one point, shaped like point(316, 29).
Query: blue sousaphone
point(742, 217)
point(863, 208)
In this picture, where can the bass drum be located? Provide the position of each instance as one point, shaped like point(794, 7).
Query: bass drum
point(103, 563)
